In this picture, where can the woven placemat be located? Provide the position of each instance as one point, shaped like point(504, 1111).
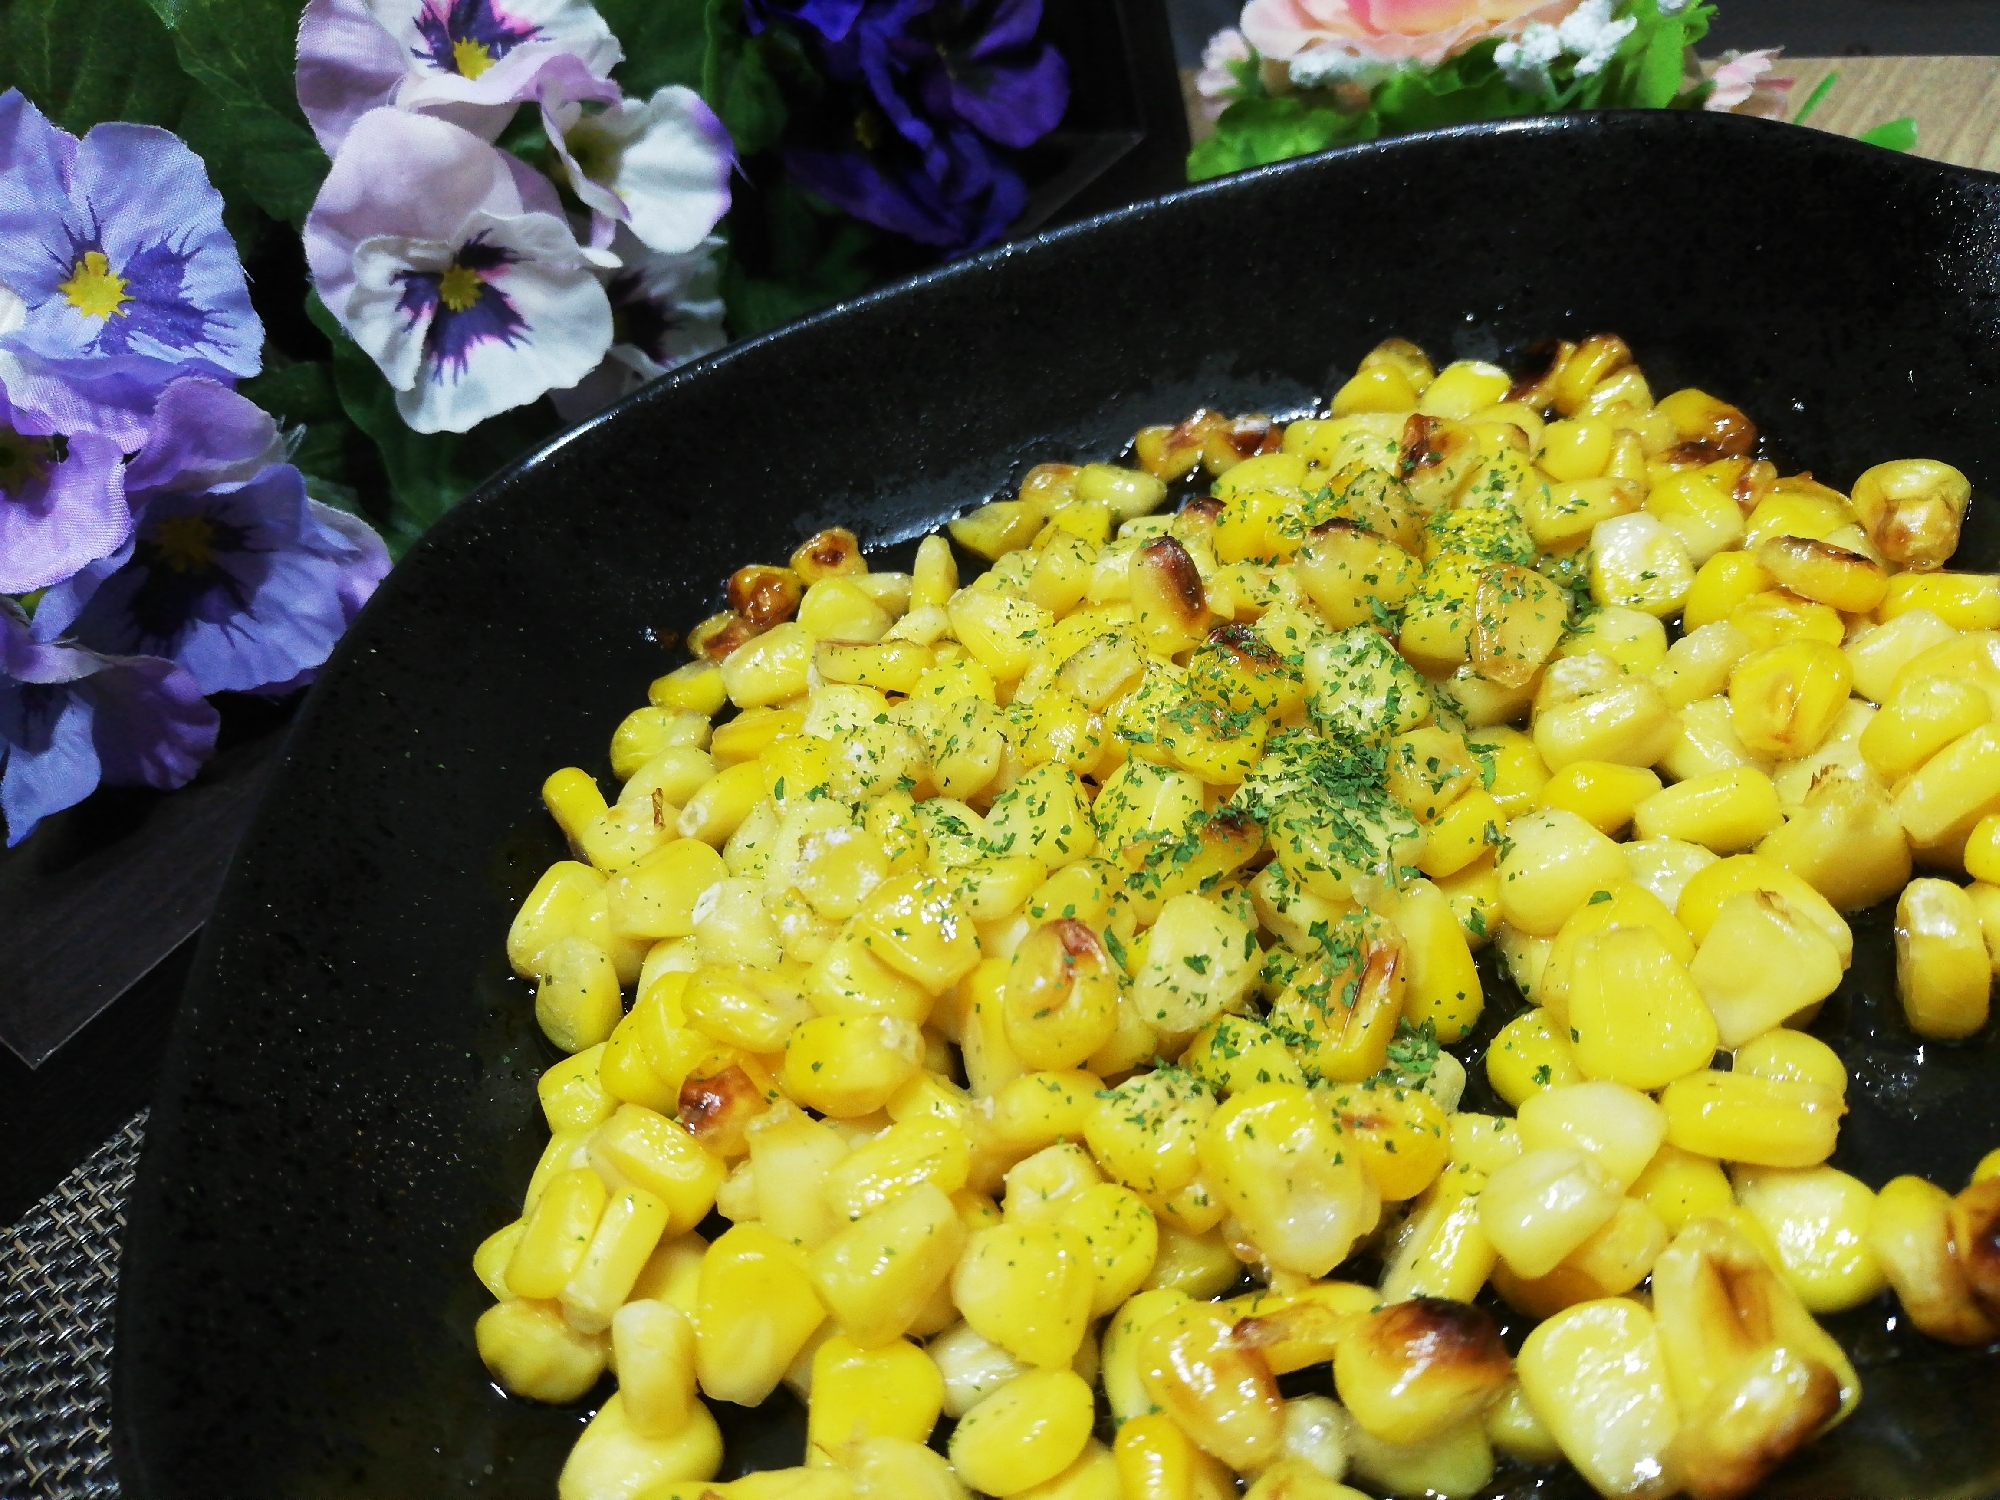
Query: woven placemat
point(58, 1293)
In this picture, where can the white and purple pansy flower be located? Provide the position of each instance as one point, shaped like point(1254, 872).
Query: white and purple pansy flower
point(451, 264)
point(665, 311)
point(70, 718)
point(114, 250)
point(471, 61)
point(660, 165)
point(232, 573)
point(62, 501)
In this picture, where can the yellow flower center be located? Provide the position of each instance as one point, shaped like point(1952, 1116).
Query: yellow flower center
point(23, 460)
point(596, 154)
point(471, 58)
point(458, 288)
point(185, 543)
point(94, 289)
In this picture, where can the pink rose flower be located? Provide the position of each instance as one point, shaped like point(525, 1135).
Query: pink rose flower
point(1386, 33)
point(1216, 84)
point(1745, 85)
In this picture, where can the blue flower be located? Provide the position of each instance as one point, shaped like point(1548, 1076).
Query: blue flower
point(70, 718)
point(62, 501)
point(115, 249)
point(232, 573)
point(832, 19)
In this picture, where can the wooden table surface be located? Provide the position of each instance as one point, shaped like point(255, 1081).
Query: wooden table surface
point(1954, 100)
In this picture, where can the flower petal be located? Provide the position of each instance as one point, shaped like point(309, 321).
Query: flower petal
point(348, 65)
point(76, 512)
point(674, 159)
point(47, 759)
point(204, 434)
point(150, 724)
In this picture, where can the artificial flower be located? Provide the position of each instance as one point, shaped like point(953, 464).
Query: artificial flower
point(1590, 34)
point(70, 718)
point(665, 311)
point(1220, 80)
point(470, 61)
point(945, 81)
point(451, 264)
point(1744, 84)
point(62, 501)
point(1327, 41)
point(232, 573)
point(661, 165)
point(113, 246)
point(832, 19)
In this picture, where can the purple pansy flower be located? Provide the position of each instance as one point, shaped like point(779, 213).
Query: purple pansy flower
point(232, 573)
point(832, 19)
point(70, 718)
point(62, 501)
point(946, 80)
point(451, 264)
point(660, 165)
point(665, 311)
point(470, 61)
point(113, 246)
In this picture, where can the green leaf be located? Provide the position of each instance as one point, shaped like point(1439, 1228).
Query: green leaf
point(1650, 65)
point(1816, 98)
point(339, 462)
point(1256, 132)
point(1468, 87)
point(85, 61)
point(245, 120)
point(1892, 135)
point(665, 41)
point(737, 80)
point(814, 257)
point(428, 473)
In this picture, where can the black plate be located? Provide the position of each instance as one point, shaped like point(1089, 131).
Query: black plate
point(348, 1106)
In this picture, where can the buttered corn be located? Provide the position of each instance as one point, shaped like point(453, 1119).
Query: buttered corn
point(1038, 979)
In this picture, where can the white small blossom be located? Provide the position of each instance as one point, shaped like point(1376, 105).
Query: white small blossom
point(1673, 7)
point(1325, 66)
point(1590, 35)
point(1525, 62)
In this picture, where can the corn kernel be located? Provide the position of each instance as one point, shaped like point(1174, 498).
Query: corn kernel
point(531, 1350)
point(876, 1275)
point(1760, 1121)
point(626, 1235)
point(848, 1066)
point(1413, 1370)
point(1123, 1240)
point(1942, 971)
point(1761, 963)
point(1679, 1187)
point(1595, 1376)
point(1221, 1394)
point(1818, 1218)
point(1964, 601)
point(893, 1390)
point(1542, 1205)
point(1274, 1158)
point(1910, 1235)
point(1024, 1434)
point(1528, 1055)
point(1551, 863)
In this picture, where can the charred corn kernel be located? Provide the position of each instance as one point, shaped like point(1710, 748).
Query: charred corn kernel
point(1542, 1205)
point(1679, 1187)
point(1711, 888)
point(832, 553)
point(1759, 1121)
point(1753, 1375)
point(577, 1003)
point(1943, 799)
point(1276, 1160)
point(1720, 585)
point(1785, 699)
point(1602, 794)
point(1123, 1239)
point(646, 1149)
point(1529, 1054)
point(876, 1275)
point(916, 926)
point(1942, 972)
point(1618, 1127)
point(1041, 1186)
point(1413, 1370)
point(1028, 1288)
point(1760, 963)
point(1792, 1057)
point(1818, 1219)
point(893, 1390)
point(1024, 1434)
point(612, 1458)
point(696, 686)
point(1595, 1376)
point(531, 1350)
point(1221, 1394)
point(1725, 811)
point(1462, 834)
point(1550, 864)
point(1445, 1252)
point(1830, 575)
point(1346, 1002)
point(919, 1150)
point(1911, 1236)
point(1397, 1134)
point(1637, 562)
point(1912, 509)
point(848, 1066)
point(558, 1234)
point(728, 1092)
point(1919, 719)
point(626, 1235)
point(1145, 1132)
point(1060, 999)
point(1964, 601)
point(755, 1313)
point(1348, 570)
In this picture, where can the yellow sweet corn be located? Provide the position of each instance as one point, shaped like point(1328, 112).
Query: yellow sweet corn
point(529, 1347)
point(1818, 1219)
point(1024, 1434)
point(1276, 1161)
point(1221, 1393)
point(1596, 1377)
point(1413, 1370)
point(1942, 972)
point(1764, 1122)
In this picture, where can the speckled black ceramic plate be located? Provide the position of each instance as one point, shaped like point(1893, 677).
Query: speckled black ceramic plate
point(349, 1107)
